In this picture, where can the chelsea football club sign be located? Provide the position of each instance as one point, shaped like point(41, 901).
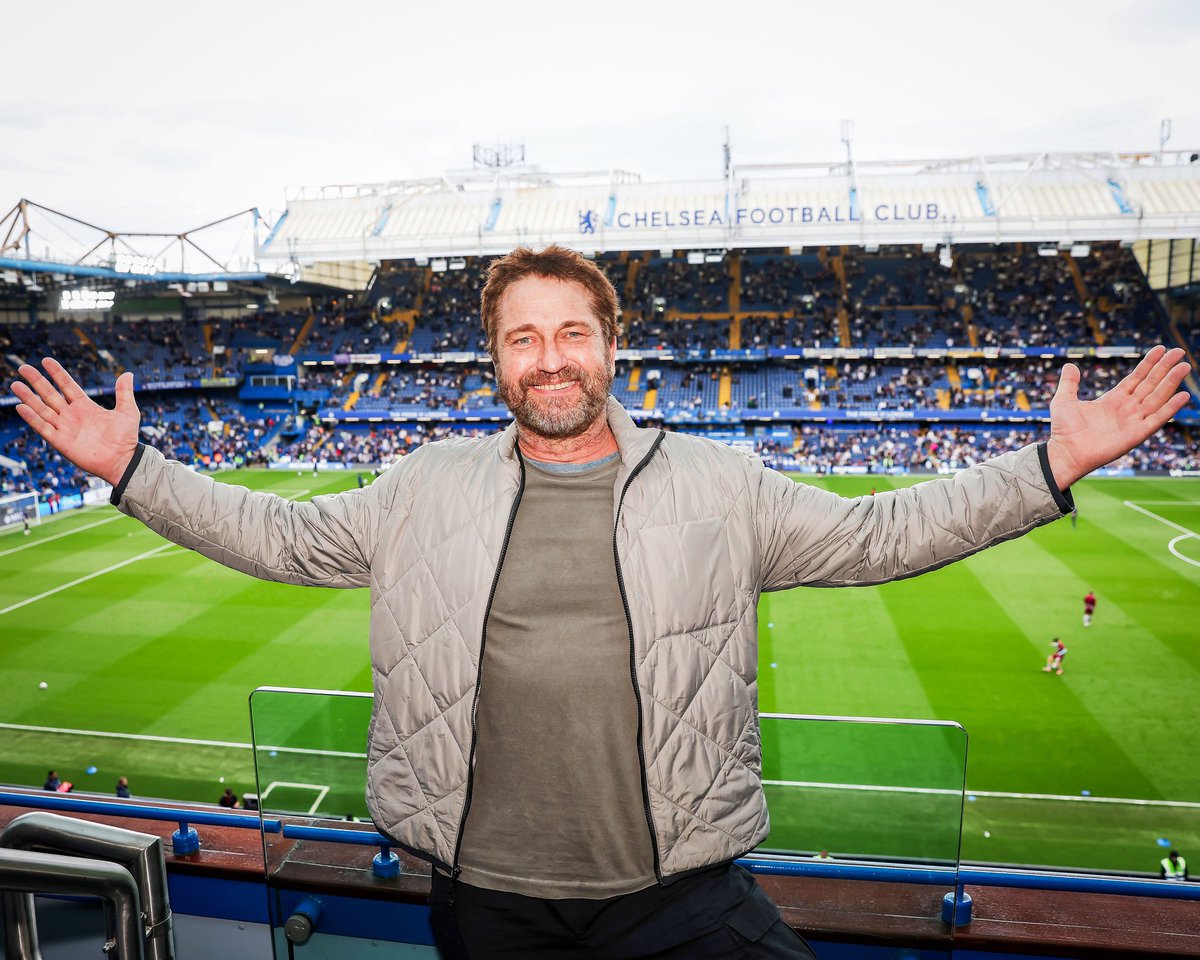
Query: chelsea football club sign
point(662, 219)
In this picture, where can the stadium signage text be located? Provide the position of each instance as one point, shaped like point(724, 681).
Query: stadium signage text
point(762, 216)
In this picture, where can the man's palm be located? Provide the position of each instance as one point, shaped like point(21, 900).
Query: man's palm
point(94, 438)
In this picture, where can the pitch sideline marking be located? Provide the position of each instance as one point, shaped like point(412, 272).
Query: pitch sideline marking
point(321, 789)
point(97, 573)
point(85, 578)
point(866, 787)
point(870, 788)
point(59, 536)
point(1185, 533)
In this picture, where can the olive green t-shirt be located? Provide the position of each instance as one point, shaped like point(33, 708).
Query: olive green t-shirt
point(556, 805)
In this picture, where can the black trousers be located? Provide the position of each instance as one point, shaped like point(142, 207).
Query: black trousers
point(716, 913)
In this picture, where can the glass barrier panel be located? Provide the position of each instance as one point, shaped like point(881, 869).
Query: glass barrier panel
point(882, 790)
point(311, 767)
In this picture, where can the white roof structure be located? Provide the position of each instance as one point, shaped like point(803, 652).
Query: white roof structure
point(1048, 197)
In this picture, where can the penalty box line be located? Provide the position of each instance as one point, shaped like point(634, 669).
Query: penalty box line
point(1184, 532)
point(321, 788)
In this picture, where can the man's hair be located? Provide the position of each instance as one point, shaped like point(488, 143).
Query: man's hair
point(556, 263)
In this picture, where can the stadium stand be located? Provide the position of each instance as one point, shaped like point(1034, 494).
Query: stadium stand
point(688, 360)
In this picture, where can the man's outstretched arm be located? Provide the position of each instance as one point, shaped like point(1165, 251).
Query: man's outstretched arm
point(810, 536)
point(327, 541)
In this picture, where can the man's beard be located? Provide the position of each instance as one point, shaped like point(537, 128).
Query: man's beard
point(553, 417)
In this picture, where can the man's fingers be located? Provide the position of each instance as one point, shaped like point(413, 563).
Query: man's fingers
point(44, 430)
point(1068, 383)
point(1157, 420)
point(33, 401)
point(1166, 363)
point(1166, 387)
point(45, 389)
point(63, 380)
point(1139, 373)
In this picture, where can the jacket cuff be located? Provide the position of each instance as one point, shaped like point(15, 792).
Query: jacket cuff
point(1062, 498)
point(119, 489)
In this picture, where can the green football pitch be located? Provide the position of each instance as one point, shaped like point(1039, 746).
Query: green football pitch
point(149, 654)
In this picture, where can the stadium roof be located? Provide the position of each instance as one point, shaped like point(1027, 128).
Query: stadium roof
point(1044, 197)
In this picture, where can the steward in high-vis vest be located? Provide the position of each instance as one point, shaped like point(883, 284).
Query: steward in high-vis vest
point(1174, 867)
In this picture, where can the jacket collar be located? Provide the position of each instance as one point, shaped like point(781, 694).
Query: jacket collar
point(633, 442)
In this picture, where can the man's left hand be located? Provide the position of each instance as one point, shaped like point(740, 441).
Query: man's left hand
point(1086, 434)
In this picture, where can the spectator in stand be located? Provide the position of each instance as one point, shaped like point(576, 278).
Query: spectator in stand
point(229, 799)
point(123, 788)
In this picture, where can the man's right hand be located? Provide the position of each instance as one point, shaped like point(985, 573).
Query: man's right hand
point(94, 438)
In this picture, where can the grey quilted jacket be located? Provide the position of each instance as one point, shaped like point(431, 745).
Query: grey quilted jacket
point(700, 530)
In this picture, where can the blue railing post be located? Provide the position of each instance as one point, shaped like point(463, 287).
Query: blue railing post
point(185, 841)
point(386, 864)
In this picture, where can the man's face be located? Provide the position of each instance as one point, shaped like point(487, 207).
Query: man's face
point(553, 368)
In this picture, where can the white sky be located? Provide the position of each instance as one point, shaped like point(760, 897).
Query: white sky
point(147, 116)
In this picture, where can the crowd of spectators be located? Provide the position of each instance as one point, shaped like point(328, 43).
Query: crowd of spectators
point(688, 287)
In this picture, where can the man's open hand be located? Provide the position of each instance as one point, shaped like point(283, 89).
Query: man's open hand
point(94, 438)
point(1086, 434)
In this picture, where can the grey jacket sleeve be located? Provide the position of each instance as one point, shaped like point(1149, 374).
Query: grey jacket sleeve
point(327, 541)
point(810, 536)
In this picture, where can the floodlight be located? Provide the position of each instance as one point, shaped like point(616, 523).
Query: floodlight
point(421, 261)
point(458, 263)
point(438, 265)
point(1047, 250)
point(695, 256)
point(715, 257)
point(220, 286)
point(945, 257)
point(666, 253)
point(1080, 249)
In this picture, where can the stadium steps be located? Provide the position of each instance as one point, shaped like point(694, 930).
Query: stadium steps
point(968, 316)
point(651, 400)
point(91, 346)
point(725, 388)
point(409, 320)
point(1192, 383)
point(302, 335)
point(953, 377)
point(1023, 401)
point(943, 398)
point(735, 332)
point(631, 278)
point(378, 384)
point(735, 288)
point(843, 327)
point(419, 301)
point(466, 397)
point(351, 401)
point(635, 378)
point(1085, 299)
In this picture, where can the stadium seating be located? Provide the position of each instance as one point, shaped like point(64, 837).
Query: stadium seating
point(707, 342)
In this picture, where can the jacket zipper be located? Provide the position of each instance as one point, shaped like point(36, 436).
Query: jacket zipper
point(455, 869)
point(637, 693)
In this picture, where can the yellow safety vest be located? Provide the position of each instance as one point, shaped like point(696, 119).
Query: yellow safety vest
point(1176, 870)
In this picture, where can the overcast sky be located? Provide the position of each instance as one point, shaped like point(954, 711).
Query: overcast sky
point(163, 116)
